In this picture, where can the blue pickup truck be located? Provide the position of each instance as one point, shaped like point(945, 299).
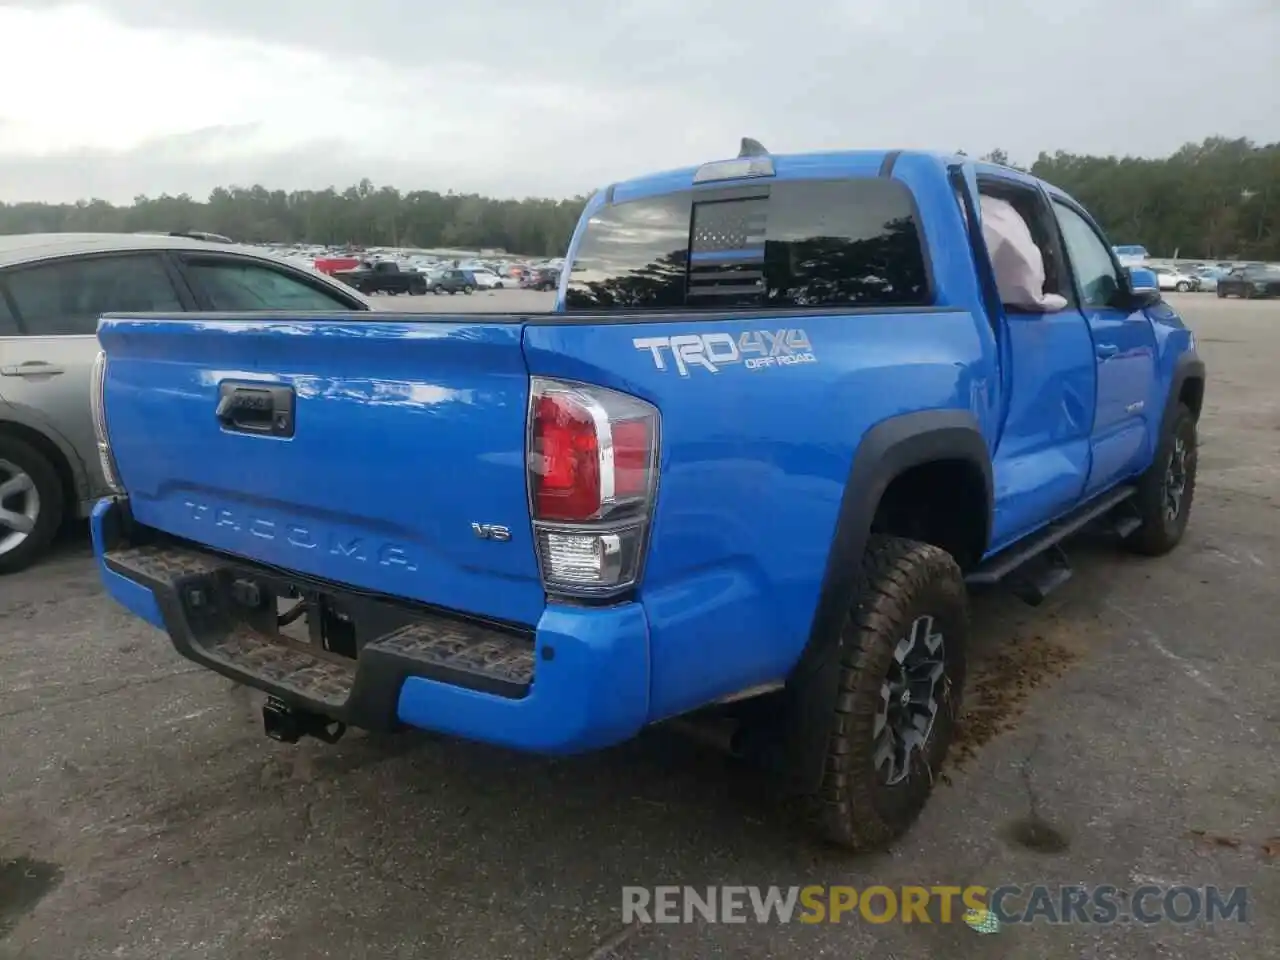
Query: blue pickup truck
point(779, 422)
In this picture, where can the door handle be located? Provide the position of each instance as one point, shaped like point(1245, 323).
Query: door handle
point(1106, 351)
point(32, 368)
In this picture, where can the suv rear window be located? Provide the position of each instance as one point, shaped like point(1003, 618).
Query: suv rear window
point(796, 244)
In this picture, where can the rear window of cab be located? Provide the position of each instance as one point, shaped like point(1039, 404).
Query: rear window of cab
point(852, 243)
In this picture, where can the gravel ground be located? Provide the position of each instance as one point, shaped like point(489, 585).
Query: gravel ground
point(143, 814)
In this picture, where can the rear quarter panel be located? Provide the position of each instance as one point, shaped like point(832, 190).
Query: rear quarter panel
point(754, 463)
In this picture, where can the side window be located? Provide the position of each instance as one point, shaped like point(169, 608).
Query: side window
point(66, 297)
point(8, 323)
point(1090, 258)
point(236, 285)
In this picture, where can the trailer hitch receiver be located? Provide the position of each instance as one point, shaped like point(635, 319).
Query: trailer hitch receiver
point(289, 725)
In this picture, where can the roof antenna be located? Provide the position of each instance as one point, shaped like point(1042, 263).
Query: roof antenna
point(752, 148)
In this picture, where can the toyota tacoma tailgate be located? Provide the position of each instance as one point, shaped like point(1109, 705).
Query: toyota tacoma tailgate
point(382, 454)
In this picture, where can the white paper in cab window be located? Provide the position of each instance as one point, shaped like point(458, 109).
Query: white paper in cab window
point(1017, 261)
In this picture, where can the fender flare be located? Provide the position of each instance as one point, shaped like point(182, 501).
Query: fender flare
point(887, 450)
point(1188, 366)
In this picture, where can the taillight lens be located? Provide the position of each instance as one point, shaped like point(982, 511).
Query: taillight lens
point(593, 456)
point(97, 406)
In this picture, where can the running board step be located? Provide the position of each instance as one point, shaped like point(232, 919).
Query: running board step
point(995, 569)
point(1041, 576)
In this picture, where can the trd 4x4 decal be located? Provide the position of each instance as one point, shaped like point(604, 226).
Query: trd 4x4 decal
point(755, 349)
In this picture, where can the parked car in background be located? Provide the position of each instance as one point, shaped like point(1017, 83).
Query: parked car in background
point(383, 276)
point(487, 280)
point(543, 278)
point(1171, 278)
point(1255, 281)
point(1208, 277)
point(53, 289)
point(332, 265)
point(1131, 255)
point(454, 281)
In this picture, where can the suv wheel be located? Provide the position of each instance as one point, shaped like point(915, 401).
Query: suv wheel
point(1166, 490)
point(901, 656)
point(437, 289)
point(31, 500)
point(468, 289)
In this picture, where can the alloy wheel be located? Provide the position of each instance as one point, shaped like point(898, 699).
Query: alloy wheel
point(910, 697)
point(19, 506)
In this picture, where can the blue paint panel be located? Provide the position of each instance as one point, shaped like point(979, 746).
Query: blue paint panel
point(135, 598)
point(754, 463)
point(593, 693)
point(1043, 457)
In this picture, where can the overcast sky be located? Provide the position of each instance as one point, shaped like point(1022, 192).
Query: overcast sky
point(112, 98)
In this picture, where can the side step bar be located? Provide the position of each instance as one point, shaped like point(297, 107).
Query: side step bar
point(1035, 567)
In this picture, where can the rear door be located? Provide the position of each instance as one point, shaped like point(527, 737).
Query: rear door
point(46, 369)
point(1124, 348)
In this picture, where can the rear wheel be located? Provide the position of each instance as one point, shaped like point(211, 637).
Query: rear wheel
point(1222, 294)
point(1166, 490)
point(901, 654)
point(1183, 287)
point(468, 289)
point(437, 289)
point(31, 504)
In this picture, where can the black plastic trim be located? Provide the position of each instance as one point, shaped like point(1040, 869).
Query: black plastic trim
point(378, 673)
point(889, 449)
point(977, 249)
point(996, 568)
point(1189, 366)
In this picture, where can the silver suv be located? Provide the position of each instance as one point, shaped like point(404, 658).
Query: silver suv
point(53, 289)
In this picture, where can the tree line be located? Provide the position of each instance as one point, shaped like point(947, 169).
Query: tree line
point(1217, 199)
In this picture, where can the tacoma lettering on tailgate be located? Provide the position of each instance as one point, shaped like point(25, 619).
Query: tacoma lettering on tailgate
point(357, 548)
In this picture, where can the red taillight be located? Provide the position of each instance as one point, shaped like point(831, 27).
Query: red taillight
point(593, 456)
point(567, 485)
point(632, 454)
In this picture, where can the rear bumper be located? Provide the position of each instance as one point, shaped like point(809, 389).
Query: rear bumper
point(580, 681)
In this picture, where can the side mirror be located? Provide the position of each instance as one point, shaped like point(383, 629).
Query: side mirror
point(1144, 287)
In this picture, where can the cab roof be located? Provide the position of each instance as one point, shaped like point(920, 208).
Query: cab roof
point(819, 164)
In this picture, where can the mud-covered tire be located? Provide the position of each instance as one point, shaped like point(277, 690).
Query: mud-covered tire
point(901, 582)
point(48, 488)
point(1162, 527)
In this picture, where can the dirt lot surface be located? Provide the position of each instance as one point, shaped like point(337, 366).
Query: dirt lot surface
point(1125, 733)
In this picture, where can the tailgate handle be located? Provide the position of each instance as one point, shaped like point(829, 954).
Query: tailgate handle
point(256, 408)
